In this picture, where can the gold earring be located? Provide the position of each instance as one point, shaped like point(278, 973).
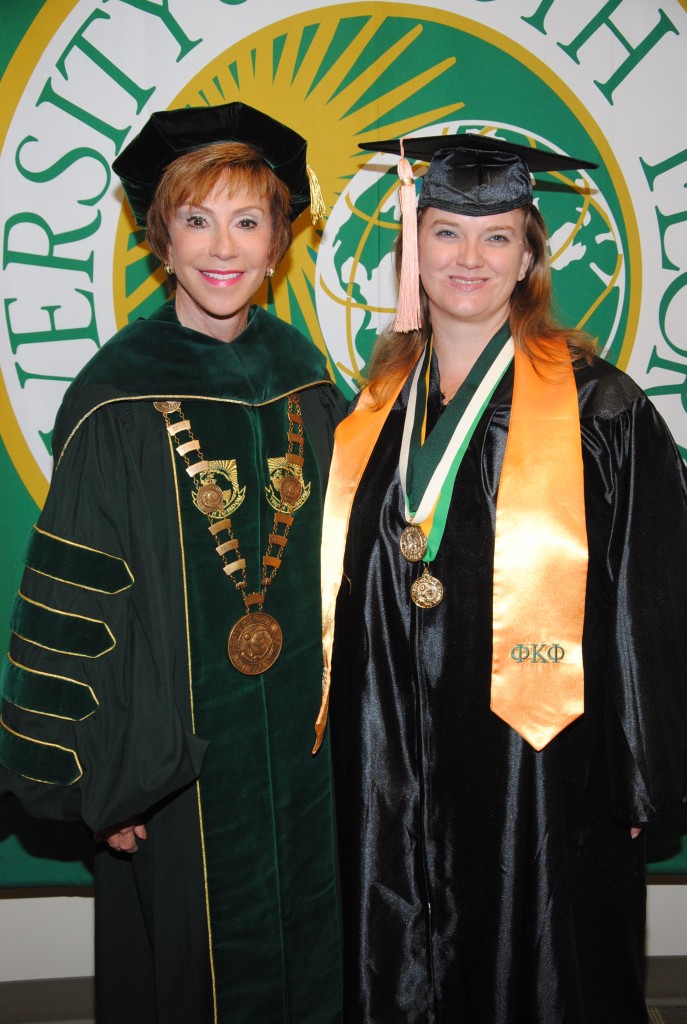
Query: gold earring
point(169, 269)
point(269, 272)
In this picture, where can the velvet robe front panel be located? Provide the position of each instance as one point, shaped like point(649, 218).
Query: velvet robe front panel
point(483, 881)
point(265, 801)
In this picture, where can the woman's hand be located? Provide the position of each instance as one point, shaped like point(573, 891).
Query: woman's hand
point(123, 837)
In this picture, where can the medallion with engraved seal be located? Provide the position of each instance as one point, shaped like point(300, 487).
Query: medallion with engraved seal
point(211, 498)
point(255, 643)
point(287, 488)
point(427, 591)
point(413, 543)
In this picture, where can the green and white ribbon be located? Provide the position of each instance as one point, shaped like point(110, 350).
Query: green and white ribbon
point(428, 466)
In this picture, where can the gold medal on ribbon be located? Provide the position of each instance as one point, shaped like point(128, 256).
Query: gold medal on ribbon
point(413, 543)
point(428, 463)
point(254, 643)
point(427, 591)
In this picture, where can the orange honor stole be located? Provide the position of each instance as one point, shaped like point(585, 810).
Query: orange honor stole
point(540, 560)
point(540, 555)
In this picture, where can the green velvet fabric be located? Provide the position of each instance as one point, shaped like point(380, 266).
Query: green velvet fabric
point(268, 360)
point(238, 872)
point(259, 768)
point(60, 631)
point(46, 694)
point(46, 763)
point(73, 563)
point(168, 134)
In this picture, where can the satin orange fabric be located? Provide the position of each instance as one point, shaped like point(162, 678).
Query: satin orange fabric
point(540, 564)
point(354, 438)
point(540, 558)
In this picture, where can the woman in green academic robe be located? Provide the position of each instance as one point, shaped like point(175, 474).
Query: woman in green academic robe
point(166, 652)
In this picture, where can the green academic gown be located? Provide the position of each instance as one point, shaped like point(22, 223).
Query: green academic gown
point(120, 700)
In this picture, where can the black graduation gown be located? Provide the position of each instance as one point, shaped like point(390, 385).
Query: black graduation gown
point(120, 699)
point(482, 881)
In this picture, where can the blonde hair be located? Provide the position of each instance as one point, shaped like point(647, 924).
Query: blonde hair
point(192, 176)
point(533, 326)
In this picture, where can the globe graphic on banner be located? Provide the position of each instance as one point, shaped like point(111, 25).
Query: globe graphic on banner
point(355, 276)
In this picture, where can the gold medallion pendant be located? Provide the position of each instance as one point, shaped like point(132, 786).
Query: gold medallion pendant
point(413, 543)
point(255, 643)
point(209, 498)
point(167, 407)
point(427, 591)
point(290, 489)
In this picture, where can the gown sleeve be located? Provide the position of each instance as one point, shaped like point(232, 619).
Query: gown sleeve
point(91, 724)
point(647, 563)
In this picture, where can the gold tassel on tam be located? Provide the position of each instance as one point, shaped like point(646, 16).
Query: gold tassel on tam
point(408, 312)
point(318, 209)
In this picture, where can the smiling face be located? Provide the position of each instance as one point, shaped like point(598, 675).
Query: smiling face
point(469, 266)
point(220, 249)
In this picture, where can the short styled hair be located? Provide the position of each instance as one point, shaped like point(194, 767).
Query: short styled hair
point(192, 176)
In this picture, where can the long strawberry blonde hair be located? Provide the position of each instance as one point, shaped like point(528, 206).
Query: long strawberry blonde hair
point(533, 326)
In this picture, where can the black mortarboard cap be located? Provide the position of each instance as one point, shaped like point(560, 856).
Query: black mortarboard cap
point(476, 175)
point(472, 175)
point(169, 134)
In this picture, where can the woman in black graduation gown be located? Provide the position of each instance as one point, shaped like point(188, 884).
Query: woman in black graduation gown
point(509, 679)
point(166, 646)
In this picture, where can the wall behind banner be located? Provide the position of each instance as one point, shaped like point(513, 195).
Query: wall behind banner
point(597, 79)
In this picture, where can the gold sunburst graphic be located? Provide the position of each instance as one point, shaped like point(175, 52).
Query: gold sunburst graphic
point(319, 73)
point(348, 74)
